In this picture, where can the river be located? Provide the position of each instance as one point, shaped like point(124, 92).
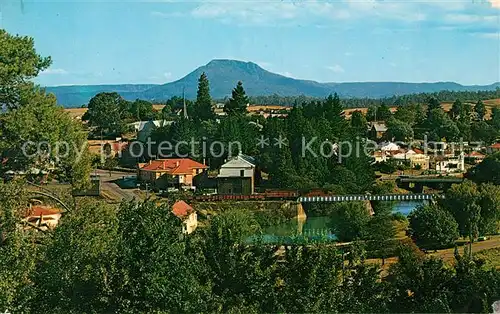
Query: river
point(316, 228)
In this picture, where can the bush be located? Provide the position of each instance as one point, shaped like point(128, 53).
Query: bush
point(432, 228)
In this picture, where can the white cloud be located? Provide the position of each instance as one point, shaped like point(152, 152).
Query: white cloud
point(495, 3)
point(54, 71)
point(336, 68)
point(167, 75)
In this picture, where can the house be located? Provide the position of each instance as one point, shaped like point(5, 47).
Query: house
point(449, 164)
point(145, 128)
point(390, 147)
point(43, 217)
point(421, 161)
point(377, 130)
point(219, 109)
point(475, 157)
point(237, 176)
point(494, 148)
point(165, 173)
point(187, 214)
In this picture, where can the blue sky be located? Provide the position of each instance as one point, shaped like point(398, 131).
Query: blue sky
point(93, 42)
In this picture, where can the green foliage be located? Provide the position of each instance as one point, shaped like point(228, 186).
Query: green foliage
point(433, 228)
point(203, 105)
point(19, 62)
point(107, 112)
point(487, 171)
point(237, 105)
point(17, 248)
point(350, 221)
point(39, 120)
point(399, 130)
point(480, 110)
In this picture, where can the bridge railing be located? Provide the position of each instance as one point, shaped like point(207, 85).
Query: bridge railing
point(368, 197)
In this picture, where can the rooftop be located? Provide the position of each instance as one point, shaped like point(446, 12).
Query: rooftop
point(173, 166)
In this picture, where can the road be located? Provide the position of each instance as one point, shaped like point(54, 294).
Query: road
point(111, 190)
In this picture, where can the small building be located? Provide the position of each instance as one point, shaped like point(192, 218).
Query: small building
point(165, 173)
point(390, 147)
point(237, 176)
point(474, 157)
point(449, 164)
point(145, 128)
point(42, 217)
point(494, 148)
point(377, 130)
point(187, 214)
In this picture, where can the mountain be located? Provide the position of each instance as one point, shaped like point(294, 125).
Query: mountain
point(224, 74)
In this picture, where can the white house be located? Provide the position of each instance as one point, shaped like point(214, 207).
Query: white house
point(450, 164)
point(237, 176)
point(145, 128)
point(187, 214)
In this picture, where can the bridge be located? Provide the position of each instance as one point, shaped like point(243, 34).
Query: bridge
point(417, 183)
point(368, 197)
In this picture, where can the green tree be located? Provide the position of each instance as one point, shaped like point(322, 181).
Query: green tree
point(433, 228)
point(480, 110)
point(237, 104)
point(78, 268)
point(107, 113)
point(406, 114)
point(41, 135)
point(495, 118)
point(419, 284)
point(359, 123)
point(399, 130)
point(489, 201)
point(457, 109)
point(383, 112)
point(19, 62)
point(203, 106)
point(483, 132)
point(156, 264)
point(486, 171)
point(432, 104)
point(350, 221)
point(142, 110)
point(18, 250)
point(462, 203)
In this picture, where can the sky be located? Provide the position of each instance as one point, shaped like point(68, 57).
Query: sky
point(116, 42)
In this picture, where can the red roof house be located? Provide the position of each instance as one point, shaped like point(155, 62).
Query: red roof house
point(188, 215)
point(175, 172)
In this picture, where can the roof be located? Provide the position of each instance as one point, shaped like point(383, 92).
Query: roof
point(379, 127)
point(240, 161)
point(37, 211)
point(496, 145)
point(418, 151)
point(139, 125)
point(390, 147)
point(182, 209)
point(475, 154)
point(173, 166)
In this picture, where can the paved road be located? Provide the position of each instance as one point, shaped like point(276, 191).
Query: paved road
point(111, 190)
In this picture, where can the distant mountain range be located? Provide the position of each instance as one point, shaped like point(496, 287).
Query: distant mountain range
point(224, 74)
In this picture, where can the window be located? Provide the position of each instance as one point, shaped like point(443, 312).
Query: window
point(242, 173)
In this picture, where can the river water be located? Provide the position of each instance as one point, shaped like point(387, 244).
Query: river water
point(316, 228)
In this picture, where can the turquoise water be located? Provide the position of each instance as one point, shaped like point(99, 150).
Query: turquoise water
point(315, 228)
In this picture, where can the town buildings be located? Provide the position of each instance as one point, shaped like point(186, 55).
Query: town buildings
point(165, 173)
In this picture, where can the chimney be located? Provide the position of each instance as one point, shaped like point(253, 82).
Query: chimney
point(177, 163)
point(164, 164)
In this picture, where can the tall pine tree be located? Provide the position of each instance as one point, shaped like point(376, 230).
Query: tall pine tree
point(203, 106)
point(238, 103)
point(480, 110)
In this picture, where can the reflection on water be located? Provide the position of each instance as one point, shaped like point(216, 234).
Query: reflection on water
point(315, 228)
point(405, 207)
